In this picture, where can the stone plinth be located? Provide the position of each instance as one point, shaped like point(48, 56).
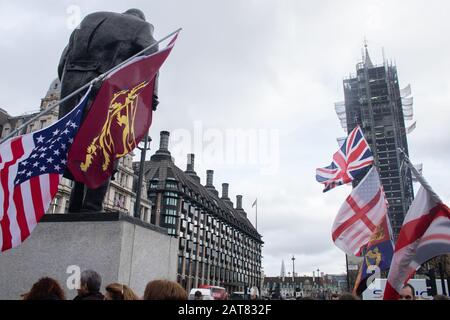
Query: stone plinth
point(120, 248)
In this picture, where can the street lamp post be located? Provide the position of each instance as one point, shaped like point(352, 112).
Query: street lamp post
point(293, 268)
point(137, 205)
point(318, 277)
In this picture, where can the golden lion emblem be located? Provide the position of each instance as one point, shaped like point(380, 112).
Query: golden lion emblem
point(124, 115)
point(373, 257)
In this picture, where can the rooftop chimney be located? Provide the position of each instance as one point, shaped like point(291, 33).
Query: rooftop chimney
point(163, 152)
point(164, 141)
point(239, 206)
point(239, 202)
point(209, 178)
point(190, 162)
point(190, 167)
point(209, 183)
point(225, 191)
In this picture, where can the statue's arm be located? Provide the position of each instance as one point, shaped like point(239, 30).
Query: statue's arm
point(62, 62)
point(144, 38)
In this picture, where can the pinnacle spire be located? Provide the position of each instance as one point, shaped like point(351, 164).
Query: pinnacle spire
point(367, 61)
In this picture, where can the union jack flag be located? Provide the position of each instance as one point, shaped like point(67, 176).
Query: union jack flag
point(349, 162)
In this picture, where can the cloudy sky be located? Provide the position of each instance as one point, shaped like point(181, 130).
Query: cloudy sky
point(267, 72)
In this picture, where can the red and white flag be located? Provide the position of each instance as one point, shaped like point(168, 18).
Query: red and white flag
point(359, 216)
point(31, 167)
point(425, 234)
point(118, 119)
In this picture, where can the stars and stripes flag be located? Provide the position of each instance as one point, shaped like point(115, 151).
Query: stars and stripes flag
point(425, 234)
point(358, 218)
point(31, 167)
point(349, 162)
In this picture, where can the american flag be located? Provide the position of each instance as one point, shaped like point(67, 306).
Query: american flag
point(349, 162)
point(31, 167)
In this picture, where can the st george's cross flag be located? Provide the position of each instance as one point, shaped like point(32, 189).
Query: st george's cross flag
point(425, 234)
point(349, 162)
point(118, 119)
point(31, 167)
point(358, 218)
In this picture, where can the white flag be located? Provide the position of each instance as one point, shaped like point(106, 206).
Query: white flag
point(363, 210)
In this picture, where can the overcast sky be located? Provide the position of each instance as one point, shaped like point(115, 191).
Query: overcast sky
point(273, 69)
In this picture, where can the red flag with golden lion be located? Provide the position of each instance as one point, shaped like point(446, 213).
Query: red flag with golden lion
point(118, 119)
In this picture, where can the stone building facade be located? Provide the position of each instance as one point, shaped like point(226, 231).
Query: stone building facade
point(294, 287)
point(218, 245)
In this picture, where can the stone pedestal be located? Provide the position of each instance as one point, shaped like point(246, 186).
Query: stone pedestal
point(120, 248)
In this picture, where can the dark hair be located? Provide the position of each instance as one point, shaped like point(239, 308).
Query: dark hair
point(440, 297)
point(412, 289)
point(92, 280)
point(348, 296)
point(164, 290)
point(45, 289)
point(198, 293)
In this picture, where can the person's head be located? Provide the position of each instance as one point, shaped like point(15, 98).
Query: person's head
point(90, 282)
point(407, 292)
point(348, 296)
point(198, 295)
point(45, 289)
point(117, 291)
point(135, 12)
point(164, 290)
point(440, 297)
point(334, 296)
point(254, 293)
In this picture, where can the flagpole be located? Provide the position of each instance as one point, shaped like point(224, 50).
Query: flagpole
point(99, 78)
point(419, 177)
point(256, 215)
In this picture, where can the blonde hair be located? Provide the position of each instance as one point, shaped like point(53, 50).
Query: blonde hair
point(119, 291)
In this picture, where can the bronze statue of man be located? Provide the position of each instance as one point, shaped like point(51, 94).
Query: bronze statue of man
point(102, 41)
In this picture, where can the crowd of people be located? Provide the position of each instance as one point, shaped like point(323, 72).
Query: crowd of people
point(91, 283)
point(90, 289)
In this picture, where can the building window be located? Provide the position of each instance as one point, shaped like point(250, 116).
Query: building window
point(170, 220)
point(180, 264)
point(171, 201)
point(171, 185)
point(154, 184)
point(56, 205)
point(119, 200)
point(171, 212)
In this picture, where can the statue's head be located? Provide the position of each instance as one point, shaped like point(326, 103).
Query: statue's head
point(136, 12)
